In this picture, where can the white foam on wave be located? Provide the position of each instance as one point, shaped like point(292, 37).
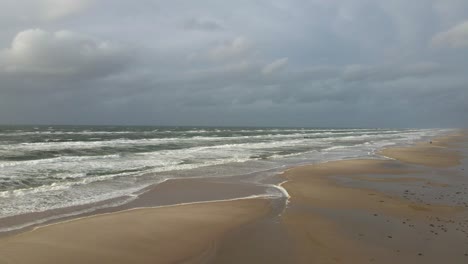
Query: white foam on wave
point(54, 132)
point(4, 164)
point(37, 146)
point(61, 198)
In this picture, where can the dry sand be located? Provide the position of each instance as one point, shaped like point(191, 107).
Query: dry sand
point(327, 220)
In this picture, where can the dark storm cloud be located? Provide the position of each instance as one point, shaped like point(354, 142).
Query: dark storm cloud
point(276, 63)
point(36, 53)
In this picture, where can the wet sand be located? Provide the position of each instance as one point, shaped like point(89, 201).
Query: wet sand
point(411, 208)
point(425, 154)
point(174, 234)
point(174, 191)
point(331, 222)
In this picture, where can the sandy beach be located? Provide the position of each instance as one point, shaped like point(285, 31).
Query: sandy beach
point(408, 208)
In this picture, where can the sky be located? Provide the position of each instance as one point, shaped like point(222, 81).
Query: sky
point(303, 63)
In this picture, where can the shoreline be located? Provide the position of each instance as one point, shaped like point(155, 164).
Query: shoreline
point(125, 202)
point(27, 221)
point(320, 208)
point(171, 192)
point(253, 197)
point(107, 206)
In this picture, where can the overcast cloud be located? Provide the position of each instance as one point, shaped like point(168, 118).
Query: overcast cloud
point(322, 63)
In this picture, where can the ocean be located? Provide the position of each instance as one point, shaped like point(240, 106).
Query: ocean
point(51, 167)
